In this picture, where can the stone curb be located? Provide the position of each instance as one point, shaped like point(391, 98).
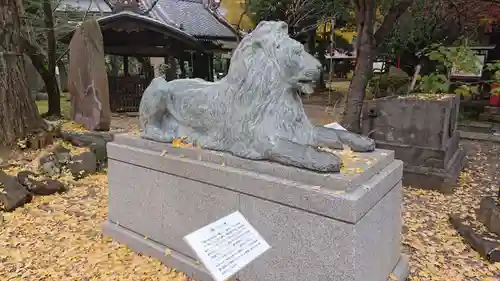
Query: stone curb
point(479, 136)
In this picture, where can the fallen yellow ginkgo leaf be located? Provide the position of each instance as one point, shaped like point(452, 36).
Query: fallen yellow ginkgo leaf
point(393, 277)
point(168, 252)
point(179, 143)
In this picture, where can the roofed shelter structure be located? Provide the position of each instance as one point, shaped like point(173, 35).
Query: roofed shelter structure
point(180, 31)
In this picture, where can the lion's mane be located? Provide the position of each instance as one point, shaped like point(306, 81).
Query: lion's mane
point(244, 112)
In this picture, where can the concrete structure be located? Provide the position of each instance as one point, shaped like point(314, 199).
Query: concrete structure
point(335, 227)
point(422, 132)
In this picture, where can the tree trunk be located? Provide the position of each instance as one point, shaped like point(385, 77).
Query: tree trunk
point(366, 42)
point(365, 51)
point(321, 85)
point(63, 75)
point(18, 113)
point(51, 79)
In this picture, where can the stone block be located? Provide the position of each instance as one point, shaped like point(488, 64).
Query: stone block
point(338, 227)
point(489, 214)
point(491, 113)
point(412, 120)
point(423, 134)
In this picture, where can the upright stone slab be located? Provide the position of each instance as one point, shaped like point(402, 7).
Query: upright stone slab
point(422, 132)
point(336, 227)
point(88, 79)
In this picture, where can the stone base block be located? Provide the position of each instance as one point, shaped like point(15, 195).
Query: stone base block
point(190, 266)
point(489, 214)
point(443, 180)
point(321, 227)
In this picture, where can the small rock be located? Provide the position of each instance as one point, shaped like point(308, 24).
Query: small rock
point(99, 149)
point(39, 187)
point(41, 96)
point(54, 127)
point(54, 185)
point(61, 154)
point(50, 169)
point(83, 164)
point(53, 159)
point(56, 153)
point(46, 158)
point(14, 194)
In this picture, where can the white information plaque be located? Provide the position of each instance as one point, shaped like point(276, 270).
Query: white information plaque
point(335, 126)
point(227, 245)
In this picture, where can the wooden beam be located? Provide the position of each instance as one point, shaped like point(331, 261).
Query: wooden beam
point(125, 66)
point(144, 51)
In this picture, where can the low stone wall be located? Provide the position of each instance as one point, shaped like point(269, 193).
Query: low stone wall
point(336, 227)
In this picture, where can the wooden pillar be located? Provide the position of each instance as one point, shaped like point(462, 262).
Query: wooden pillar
point(125, 66)
point(210, 58)
point(202, 66)
point(228, 63)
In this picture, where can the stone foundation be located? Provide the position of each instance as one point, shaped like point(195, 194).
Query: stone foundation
point(423, 134)
point(335, 227)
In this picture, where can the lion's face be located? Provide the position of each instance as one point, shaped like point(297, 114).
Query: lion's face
point(300, 68)
point(270, 48)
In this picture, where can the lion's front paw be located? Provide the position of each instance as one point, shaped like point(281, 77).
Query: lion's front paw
point(326, 162)
point(359, 143)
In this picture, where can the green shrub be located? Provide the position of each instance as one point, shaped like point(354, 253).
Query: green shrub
point(393, 82)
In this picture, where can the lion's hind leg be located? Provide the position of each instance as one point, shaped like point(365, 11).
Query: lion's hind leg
point(153, 112)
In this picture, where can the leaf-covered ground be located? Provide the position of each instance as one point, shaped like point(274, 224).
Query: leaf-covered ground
point(58, 237)
point(437, 252)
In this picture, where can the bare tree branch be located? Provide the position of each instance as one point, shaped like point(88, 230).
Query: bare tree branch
point(392, 16)
point(67, 49)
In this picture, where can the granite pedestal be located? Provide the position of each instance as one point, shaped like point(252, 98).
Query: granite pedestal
point(321, 227)
point(423, 134)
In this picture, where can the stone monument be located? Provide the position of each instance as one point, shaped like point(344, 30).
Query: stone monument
point(87, 78)
point(422, 130)
point(256, 152)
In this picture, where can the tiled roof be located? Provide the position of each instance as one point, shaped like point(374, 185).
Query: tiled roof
point(172, 29)
point(192, 14)
point(83, 5)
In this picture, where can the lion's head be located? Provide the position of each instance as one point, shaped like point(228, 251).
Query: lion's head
point(269, 50)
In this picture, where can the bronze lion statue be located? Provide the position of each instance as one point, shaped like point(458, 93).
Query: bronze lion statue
point(255, 111)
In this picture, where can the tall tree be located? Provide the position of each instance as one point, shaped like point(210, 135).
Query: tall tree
point(437, 21)
point(18, 113)
point(39, 43)
point(42, 29)
point(366, 42)
point(302, 16)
